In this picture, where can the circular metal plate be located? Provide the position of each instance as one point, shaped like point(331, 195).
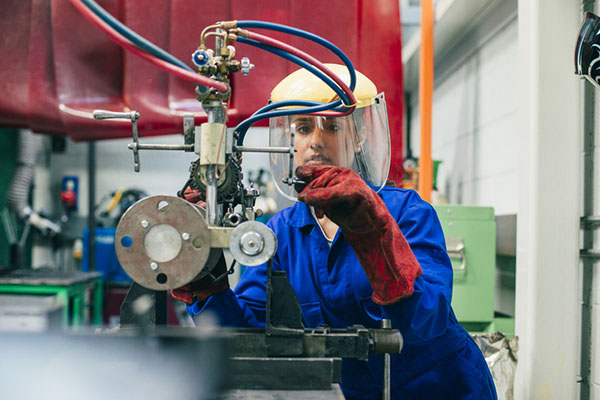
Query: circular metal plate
point(252, 243)
point(163, 242)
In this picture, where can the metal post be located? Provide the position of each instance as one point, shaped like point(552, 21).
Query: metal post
point(212, 217)
point(91, 205)
point(387, 392)
point(215, 113)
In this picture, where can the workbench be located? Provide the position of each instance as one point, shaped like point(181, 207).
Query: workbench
point(77, 291)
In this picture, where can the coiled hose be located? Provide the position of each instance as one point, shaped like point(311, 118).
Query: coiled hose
point(18, 193)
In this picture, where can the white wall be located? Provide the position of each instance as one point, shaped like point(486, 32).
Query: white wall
point(475, 131)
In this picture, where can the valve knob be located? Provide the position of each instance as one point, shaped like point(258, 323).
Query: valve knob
point(200, 58)
point(246, 66)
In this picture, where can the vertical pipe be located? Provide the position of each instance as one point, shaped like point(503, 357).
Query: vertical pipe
point(91, 205)
point(426, 99)
point(588, 234)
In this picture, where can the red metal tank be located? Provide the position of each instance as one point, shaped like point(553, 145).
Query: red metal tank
point(57, 67)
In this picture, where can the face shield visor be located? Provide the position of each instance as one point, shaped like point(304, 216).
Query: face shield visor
point(359, 141)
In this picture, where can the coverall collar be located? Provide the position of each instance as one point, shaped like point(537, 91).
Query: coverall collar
point(300, 216)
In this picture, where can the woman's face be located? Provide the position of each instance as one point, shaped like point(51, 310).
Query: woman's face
point(324, 140)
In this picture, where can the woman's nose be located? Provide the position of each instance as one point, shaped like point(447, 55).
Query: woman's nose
point(316, 139)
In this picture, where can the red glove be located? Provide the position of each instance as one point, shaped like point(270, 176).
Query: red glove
point(193, 196)
point(202, 289)
point(378, 242)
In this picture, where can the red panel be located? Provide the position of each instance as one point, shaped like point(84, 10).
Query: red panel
point(253, 91)
point(43, 104)
point(57, 67)
point(14, 85)
point(381, 59)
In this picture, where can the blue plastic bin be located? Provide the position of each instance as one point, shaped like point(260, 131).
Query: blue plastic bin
point(105, 256)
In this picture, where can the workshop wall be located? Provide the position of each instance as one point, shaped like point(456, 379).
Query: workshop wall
point(475, 125)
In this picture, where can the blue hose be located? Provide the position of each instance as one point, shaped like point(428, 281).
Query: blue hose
point(312, 107)
point(264, 112)
point(297, 60)
point(309, 107)
point(306, 35)
point(136, 39)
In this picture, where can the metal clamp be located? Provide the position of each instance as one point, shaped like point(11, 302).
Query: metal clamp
point(133, 116)
point(456, 250)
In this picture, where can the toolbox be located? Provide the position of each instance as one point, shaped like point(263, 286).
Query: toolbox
point(470, 233)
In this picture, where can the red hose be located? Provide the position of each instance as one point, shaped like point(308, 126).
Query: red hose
point(313, 61)
point(129, 46)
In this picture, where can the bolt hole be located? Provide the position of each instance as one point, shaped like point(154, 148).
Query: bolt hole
point(162, 205)
point(198, 242)
point(161, 278)
point(126, 241)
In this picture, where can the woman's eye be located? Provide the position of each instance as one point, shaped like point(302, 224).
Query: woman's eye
point(334, 128)
point(303, 129)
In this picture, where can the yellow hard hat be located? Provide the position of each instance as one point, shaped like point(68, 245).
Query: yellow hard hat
point(304, 85)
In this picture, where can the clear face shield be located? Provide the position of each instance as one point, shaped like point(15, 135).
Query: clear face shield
point(359, 141)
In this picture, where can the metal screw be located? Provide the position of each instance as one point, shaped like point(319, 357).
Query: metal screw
point(154, 266)
point(162, 205)
point(145, 224)
point(185, 236)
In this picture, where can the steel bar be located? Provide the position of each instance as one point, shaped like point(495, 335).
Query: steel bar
point(262, 149)
point(185, 147)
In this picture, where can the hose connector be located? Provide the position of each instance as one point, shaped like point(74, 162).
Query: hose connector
point(228, 24)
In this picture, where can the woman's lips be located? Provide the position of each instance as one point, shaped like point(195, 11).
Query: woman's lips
point(320, 160)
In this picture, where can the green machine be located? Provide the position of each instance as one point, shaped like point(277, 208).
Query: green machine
point(470, 234)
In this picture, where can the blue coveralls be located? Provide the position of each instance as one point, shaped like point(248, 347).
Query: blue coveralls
point(439, 359)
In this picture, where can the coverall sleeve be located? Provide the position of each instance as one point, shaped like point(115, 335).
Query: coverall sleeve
point(425, 314)
point(243, 307)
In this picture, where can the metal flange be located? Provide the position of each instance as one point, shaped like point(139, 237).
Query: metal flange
point(252, 243)
point(163, 242)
